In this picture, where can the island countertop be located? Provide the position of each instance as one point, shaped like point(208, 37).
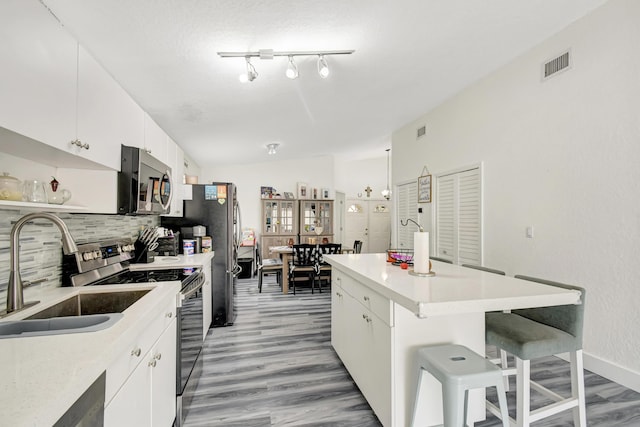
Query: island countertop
point(453, 288)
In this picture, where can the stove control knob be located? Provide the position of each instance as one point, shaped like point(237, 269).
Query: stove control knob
point(97, 254)
point(87, 256)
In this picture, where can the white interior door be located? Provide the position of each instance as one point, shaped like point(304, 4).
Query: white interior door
point(370, 222)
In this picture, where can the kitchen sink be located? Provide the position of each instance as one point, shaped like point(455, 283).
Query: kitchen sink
point(57, 325)
point(85, 312)
point(85, 304)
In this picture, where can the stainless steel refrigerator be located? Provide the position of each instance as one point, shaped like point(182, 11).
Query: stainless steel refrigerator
point(216, 207)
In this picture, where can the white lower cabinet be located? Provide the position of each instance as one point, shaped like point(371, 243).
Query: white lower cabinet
point(148, 395)
point(363, 342)
point(377, 339)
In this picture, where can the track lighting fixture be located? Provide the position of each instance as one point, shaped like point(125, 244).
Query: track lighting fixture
point(271, 148)
point(251, 73)
point(323, 67)
point(292, 68)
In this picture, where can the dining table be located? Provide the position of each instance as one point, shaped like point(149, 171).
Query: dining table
point(285, 253)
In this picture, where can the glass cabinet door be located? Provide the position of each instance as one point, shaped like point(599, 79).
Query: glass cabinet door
point(316, 214)
point(287, 217)
point(270, 221)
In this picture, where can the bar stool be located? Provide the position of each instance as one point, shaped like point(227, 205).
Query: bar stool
point(539, 332)
point(459, 369)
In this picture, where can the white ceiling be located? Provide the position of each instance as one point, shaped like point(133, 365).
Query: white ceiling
point(410, 55)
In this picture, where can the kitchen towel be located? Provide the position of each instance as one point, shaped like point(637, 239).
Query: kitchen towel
point(421, 252)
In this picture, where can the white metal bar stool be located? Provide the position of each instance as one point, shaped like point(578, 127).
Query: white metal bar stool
point(459, 370)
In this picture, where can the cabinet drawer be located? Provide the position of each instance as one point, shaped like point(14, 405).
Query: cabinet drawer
point(376, 303)
point(125, 363)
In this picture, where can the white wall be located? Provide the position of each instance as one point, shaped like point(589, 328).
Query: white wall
point(561, 156)
point(348, 176)
point(282, 175)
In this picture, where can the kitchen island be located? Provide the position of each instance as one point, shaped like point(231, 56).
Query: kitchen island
point(380, 315)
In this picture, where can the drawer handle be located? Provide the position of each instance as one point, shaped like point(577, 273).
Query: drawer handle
point(339, 294)
point(366, 298)
point(170, 315)
point(136, 352)
point(367, 318)
point(153, 363)
point(158, 356)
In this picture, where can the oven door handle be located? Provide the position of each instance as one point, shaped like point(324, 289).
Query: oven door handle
point(193, 290)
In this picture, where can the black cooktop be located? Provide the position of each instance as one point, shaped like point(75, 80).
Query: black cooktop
point(146, 276)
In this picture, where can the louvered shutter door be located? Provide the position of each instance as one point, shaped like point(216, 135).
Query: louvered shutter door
point(407, 208)
point(445, 217)
point(459, 217)
point(469, 230)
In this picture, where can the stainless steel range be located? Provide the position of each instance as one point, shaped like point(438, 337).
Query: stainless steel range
point(107, 263)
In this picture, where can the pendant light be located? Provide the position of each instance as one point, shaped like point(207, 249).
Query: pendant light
point(386, 193)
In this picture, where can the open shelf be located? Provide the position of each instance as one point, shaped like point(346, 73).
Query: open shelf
point(5, 204)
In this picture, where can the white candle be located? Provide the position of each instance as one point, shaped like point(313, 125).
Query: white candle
point(421, 252)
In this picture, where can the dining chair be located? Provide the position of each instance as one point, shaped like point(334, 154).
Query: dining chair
point(323, 269)
point(302, 265)
point(357, 246)
point(533, 333)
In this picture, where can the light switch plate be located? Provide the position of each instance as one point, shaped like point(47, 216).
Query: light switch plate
point(530, 232)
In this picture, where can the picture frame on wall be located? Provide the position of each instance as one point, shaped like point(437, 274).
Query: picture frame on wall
point(288, 195)
point(315, 193)
point(424, 189)
point(303, 191)
point(324, 193)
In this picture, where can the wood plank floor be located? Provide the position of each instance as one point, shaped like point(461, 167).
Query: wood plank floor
point(275, 367)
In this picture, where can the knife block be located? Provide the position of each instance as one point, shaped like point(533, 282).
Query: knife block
point(143, 255)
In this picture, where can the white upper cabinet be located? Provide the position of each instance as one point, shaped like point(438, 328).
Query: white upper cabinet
point(155, 140)
point(38, 74)
point(99, 99)
point(175, 160)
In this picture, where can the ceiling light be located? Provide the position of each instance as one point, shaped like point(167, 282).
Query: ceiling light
point(251, 73)
point(323, 67)
point(271, 148)
point(292, 69)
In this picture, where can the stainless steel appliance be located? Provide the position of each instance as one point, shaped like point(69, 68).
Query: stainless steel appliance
point(215, 206)
point(145, 185)
point(106, 263)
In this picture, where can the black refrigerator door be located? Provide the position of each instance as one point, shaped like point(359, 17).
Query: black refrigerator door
point(212, 206)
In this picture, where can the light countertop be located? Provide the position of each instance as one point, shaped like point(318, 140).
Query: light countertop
point(453, 289)
point(41, 377)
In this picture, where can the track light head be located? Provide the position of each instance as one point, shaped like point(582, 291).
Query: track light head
point(251, 73)
point(323, 67)
point(292, 69)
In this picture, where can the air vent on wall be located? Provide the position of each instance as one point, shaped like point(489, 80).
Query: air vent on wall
point(555, 65)
point(421, 131)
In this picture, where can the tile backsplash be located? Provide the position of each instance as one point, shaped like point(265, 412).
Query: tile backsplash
point(41, 246)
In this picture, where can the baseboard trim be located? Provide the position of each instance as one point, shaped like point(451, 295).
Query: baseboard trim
point(611, 371)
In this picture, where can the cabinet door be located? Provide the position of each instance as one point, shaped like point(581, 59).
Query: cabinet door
point(316, 217)
point(288, 215)
point(98, 106)
point(131, 406)
point(270, 217)
point(175, 160)
point(155, 140)
point(338, 317)
point(163, 378)
point(37, 75)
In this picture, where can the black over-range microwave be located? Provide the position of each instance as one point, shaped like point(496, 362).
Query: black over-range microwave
point(144, 183)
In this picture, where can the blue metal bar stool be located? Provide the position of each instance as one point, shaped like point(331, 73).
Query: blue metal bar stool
point(459, 369)
point(538, 332)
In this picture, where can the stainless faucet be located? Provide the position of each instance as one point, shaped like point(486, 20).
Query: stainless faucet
point(15, 298)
